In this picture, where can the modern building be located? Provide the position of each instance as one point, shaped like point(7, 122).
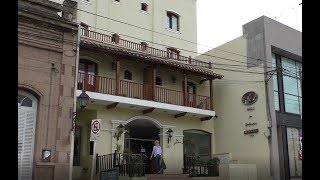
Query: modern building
point(136, 65)
point(262, 66)
point(46, 79)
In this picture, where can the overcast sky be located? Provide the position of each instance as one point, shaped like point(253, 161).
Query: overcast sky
point(220, 21)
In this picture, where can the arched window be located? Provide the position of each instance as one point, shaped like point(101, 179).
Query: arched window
point(127, 75)
point(158, 81)
point(27, 115)
point(197, 142)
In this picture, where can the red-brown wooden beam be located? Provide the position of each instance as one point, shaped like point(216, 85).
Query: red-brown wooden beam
point(153, 83)
point(185, 91)
point(211, 95)
point(113, 105)
point(180, 115)
point(117, 77)
point(206, 118)
point(148, 110)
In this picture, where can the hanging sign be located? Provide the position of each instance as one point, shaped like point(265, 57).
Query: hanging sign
point(95, 129)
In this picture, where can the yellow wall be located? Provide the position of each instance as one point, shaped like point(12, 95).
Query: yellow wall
point(232, 114)
point(129, 11)
point(173, 154)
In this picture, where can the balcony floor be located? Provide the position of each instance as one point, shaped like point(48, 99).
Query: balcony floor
point(139, 104)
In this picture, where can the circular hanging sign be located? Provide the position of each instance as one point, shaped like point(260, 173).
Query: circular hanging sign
point(249, 98)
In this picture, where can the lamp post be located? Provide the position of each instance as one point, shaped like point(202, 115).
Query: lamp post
point(83, 100)
point(169, 133)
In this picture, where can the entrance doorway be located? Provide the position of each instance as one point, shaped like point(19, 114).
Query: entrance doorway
point(139, 140)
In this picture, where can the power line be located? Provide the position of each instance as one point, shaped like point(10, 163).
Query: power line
point(224, 69)
point(118, 21)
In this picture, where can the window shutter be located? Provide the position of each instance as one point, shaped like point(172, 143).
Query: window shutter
point(26, 131)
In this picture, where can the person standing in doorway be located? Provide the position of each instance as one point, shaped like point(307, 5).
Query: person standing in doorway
point(157, 154)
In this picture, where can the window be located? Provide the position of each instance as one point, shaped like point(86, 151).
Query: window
point(173, 53)
point(144, 7)
point(173, 21)
point(289, 78)
point(197, 142)
point(87, 72)
point(24, 101)
point(158, 81)
point(77, 145)
point(291, 86)
point(127, 75)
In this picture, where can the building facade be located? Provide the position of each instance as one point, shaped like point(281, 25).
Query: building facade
point(137, 71)
point(266, 60)
point(46, 78)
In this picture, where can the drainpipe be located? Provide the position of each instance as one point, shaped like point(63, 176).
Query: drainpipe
point(74, 99)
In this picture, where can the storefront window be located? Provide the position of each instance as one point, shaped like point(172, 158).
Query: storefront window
point(197, 142)
point(294, 137)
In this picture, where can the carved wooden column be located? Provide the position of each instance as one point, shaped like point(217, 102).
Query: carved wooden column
point(185, 91)
point(153, 83)
point(211, 95)
point(117, 77)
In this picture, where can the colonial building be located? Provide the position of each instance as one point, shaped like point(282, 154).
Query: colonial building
point(136, 65)
point(46, 80)
point(262, 88)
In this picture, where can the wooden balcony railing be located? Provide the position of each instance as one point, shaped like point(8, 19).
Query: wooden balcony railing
point(139, 47)
point(130, 89)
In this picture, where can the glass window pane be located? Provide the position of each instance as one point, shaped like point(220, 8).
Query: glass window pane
point(197, 143)
point(168, 21)
point(276, 100)
point(26, 102)
point(300, 102)
point(175, 23)
point(291, 104)
point(275, 82)
point(20, 98)
point(294, 137)
point(290, 85)
point(273, 61)
point(81, 67)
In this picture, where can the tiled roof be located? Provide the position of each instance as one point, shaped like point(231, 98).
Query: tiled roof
point(115, 49)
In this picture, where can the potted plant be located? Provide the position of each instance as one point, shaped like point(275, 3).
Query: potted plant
point(213, 166)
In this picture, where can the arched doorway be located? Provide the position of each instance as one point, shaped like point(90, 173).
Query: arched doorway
point(27, 113)
point(139, 140)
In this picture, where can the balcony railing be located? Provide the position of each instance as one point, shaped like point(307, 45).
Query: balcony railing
point(144, 48)
point(130, 89)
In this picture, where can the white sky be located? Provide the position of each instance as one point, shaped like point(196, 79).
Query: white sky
point(220, 21)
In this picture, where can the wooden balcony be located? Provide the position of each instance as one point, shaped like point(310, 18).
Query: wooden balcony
point(130, 89)
point(143, 48)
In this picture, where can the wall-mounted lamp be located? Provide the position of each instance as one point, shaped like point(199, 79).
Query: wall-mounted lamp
point(46, 155)
point(173, 78)
point(83, 100)
point(169, 133)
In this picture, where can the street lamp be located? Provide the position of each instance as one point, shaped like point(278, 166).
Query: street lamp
point(83, 100)
point(169, 133)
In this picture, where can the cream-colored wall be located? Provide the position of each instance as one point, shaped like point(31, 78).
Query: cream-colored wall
point(129, 11)
point(173, 154)
point(232, 114)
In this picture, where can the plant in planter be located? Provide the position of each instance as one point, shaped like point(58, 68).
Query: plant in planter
point(213, 166)
point(136, 167)
point(117, 135)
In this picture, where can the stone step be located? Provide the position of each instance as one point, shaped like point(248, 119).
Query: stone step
point(167, 176)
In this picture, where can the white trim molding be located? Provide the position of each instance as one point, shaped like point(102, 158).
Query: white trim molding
point(152, 120)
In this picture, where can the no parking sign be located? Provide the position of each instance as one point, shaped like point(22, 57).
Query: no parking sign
point(95, 129)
